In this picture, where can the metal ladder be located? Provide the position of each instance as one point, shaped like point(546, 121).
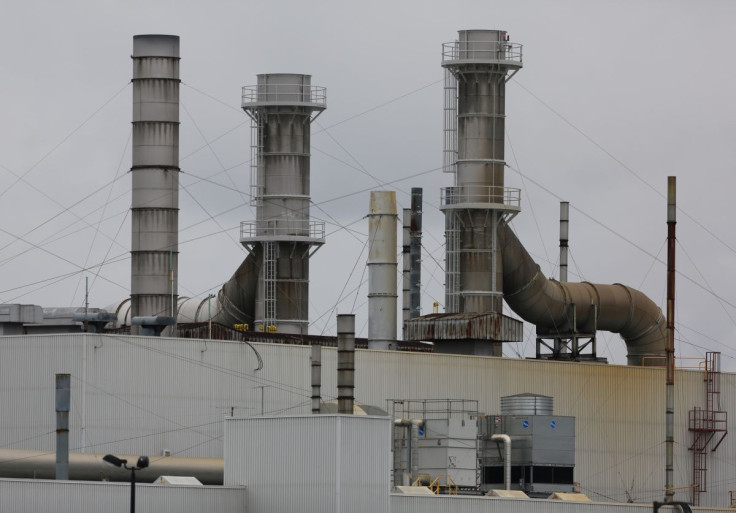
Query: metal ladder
point(452, 265)
point(449, 150)
point(256, 159)
point(270, 256)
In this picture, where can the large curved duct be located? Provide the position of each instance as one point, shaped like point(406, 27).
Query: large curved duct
point(551, 304)
point(233, 304)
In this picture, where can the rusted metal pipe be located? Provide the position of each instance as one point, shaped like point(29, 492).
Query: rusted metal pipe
point(670, 387)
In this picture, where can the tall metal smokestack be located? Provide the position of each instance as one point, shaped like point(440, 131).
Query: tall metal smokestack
point(283, 237)
point(155, 173)
point(345, 363)
point(415, 252)
point(63, 392)
point(670, 387)
point(382, 270)
point(481, 61)
point(564, 237)
point(406, 265)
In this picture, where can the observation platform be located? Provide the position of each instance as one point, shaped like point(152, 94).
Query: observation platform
point(279, 230)
point(481, 197)
point(496, 53)
point(284, 95)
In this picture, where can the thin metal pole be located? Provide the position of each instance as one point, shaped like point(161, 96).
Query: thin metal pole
point(86, 303)
point(132, 490)
point(209, 317)
point(670, 350)
point(564, 235)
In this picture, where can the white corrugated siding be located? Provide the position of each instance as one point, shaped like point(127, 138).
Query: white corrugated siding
point(144, 395)
point(443, 504)
point(29, 496)
point(325, 463)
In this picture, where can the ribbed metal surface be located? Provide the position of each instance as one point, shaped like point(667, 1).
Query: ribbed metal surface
point(439, 504)
point(155, 176)
point(325, 463)
point(452, 327)
point(527, 404)
point(34, 496)
point(382, 246)
point(132, 396)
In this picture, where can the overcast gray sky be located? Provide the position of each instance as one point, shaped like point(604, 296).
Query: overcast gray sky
point(614, 97)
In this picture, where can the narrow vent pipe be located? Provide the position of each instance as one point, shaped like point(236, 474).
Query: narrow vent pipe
point(406, 265)
point(564, 238)
point(155, 176)
point(506, 439)
point(345, 363)
point(547, 303)
point(415, 253)
point(316, 378)
point(382, 246)
point(63, 400)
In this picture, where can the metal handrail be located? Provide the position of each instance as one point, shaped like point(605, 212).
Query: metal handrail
point(482, 50)
point(287, 93)
point(282, 227)
point(480, 194)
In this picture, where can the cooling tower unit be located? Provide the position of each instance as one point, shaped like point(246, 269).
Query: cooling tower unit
point(283, 237)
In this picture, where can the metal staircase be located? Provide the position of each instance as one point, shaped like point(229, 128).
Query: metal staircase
point(709, 425)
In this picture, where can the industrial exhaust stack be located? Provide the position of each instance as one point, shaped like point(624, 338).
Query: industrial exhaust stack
point(382, 246)
point(485, 262)
point(282, 237)
point(155, 173)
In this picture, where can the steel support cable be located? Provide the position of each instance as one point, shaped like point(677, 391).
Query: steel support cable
point(339, 297)
point(284, 387)
point(21, 177)
point(214, 153)
point(334, 306)
point(710, 289)
point(102, 215)
point(627, 168)
point(27, 438)
point(531, 203)
point(628, 241)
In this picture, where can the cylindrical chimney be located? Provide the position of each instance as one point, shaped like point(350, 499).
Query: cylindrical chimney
point(345, 363)
point(282, 107)
point(382, 270)
point(155, 174)
point(481, 61)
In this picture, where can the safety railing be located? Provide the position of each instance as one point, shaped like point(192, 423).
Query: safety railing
point(493, 194)
point(704, 420)
point(277, 228)
point(285, 93)
point(482, 51)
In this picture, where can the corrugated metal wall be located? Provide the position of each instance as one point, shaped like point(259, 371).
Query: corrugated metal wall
point(30, 496)
point(325, 463)
point(443, 504)
point(142, 395)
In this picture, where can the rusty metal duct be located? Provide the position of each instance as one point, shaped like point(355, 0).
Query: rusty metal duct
point(283, 237)
point(556, 306)
point(155, 174)
point(346, 363)
point(382, 221)
point(316, 364)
